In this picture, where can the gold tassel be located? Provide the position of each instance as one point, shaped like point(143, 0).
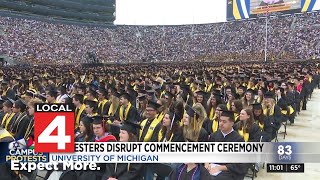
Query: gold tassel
point(194, 121)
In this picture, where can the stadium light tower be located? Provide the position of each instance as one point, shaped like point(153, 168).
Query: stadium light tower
point(266, 41)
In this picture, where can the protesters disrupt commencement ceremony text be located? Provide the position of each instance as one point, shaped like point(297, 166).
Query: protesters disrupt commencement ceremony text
point(169, 147)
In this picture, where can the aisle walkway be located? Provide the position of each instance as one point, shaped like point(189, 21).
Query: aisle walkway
point(305, 129)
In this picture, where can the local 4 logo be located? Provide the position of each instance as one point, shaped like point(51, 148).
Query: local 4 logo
point(54, 128)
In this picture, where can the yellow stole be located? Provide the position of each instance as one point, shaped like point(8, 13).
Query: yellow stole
point(160, 136)
point(184, 112)
point(236, 116)
point(229, 106)
point(123, 118)
point(152, 126)
point(208, 88)
point(160, 116)
point(102, 103)
point(259, 99)
point(6, 119)
point(29, 129)
point(261, 126)
point(5, 92)
point(4, 134)
point(14, 124)
point(215, 125)
point(212, 113)
point(78, 115)
point(243, 134)
point(265, 111)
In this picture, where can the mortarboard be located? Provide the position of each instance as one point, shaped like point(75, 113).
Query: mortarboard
point(194, 116)
point(86, 120)
point(153, 105)
point(131, 127)
point(21, 104)
point(30, 93)
point(202, 93)
point(42, 97)
point(268, 95)
point(229, 114)
point(142, 97)
point(150, 92)
point(257, 106)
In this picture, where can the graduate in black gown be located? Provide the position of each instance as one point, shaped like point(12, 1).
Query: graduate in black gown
point(263, 123)
point(125, 171)
point(20, 121)
point(226, 133)
point(272, 113)
point(192, 126)
point(247, 128)
point(170, 130)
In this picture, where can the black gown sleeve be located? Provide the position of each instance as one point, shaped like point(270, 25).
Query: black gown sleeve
point(255, 133)
point(22, 128)
point(203, 136)
point(267, 130)
point(135, 171)
point(154, 137)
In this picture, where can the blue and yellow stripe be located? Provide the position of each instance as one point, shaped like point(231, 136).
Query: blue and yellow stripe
point(307, 5)
point(240, 9)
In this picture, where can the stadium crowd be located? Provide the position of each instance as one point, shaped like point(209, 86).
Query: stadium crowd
point(42, 42)
point(218, 101)
point(173, 102)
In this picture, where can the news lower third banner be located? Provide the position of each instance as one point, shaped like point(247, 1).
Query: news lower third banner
point(164, 152)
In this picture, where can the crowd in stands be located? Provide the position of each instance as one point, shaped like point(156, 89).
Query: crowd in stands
point(292, 36)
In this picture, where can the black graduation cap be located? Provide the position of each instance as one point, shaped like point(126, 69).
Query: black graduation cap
point(30, 93)
point(150, 92)
point(98, 120)
point(9, 101)
point(142, 97)
point(86, 120)
point(268, 95)
point(21, 104)
point(131, 127)
point(229, 114)
point(191, 112)
point(201, 93)
point(257, 106)
point(153, 105)
point(42, 97)
point(126, 96)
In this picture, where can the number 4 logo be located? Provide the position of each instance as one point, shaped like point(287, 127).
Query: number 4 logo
point(54, 131)
point(61, 139)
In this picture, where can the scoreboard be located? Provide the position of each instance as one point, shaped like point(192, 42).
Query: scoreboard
point(244, 9)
